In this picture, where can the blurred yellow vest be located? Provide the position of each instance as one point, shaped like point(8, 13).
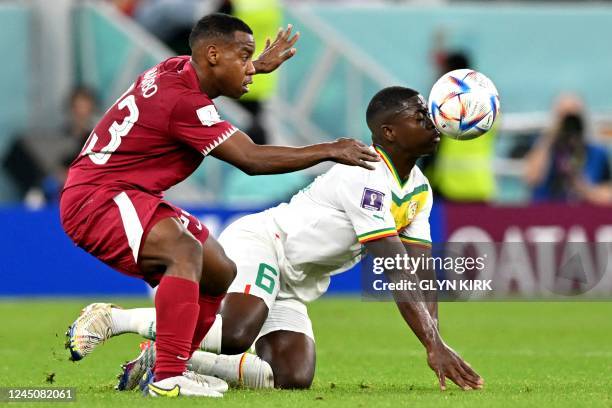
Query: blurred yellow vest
point(264, 17)
point(463, 170)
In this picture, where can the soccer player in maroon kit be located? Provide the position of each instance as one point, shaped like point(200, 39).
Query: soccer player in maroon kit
point(154, 136)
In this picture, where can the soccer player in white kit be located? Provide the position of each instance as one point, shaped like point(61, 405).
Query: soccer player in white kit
point(285, 257)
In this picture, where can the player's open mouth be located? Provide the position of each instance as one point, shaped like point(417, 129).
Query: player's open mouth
point(245, 84)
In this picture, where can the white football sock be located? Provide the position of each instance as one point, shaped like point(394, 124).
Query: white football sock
point(212, 340)
point(140, 321)
point(245, 369)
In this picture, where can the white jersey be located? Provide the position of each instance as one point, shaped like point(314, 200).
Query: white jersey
point(324, 226)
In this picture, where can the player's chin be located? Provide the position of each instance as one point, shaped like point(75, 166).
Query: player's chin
point(431, 148)
point(428, 151)
point(236, 92)
point(242, 89)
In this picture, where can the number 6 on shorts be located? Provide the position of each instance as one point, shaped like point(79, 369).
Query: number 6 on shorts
point(266, 277)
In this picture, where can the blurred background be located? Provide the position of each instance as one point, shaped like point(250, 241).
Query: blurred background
point(541, 175)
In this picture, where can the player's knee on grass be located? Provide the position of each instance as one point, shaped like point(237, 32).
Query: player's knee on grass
point(218, 271)
point(290, 378)
point(291, 356)
point(171, 245)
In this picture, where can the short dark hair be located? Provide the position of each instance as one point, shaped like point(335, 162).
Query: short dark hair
point(387, 100)
point(217, 25)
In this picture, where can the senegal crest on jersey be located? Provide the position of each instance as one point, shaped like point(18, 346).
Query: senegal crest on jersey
point(405, 209)
point(412, 209)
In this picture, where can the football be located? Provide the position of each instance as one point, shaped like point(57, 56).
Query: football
point(464, 104)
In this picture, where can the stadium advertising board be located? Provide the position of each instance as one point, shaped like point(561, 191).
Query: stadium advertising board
point(539, 251)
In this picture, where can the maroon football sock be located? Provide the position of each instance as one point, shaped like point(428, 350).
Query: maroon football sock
point(177, 309)
point(209, 305)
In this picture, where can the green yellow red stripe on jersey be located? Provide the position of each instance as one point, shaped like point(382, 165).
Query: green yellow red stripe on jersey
point(372, 235)
point(415, 241)
point(389, 163)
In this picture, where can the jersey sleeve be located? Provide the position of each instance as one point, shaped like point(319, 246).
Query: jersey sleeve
point(196, 122)
point(418, 231)
point(366, 202)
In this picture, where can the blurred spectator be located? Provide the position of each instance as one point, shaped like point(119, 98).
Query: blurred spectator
point(81, 118)
point(38, 161)
point(563, 165)
point(171, 20)
point(595, 194)
point(264, 17)
point(461, 171)
point(81, 115)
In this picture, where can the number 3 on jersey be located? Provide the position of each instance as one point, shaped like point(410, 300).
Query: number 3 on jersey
point(117, 131)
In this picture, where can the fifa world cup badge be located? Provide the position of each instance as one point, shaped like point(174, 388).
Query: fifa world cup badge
point(372, 199)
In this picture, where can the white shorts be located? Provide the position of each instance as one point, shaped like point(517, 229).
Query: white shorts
point(250, 243)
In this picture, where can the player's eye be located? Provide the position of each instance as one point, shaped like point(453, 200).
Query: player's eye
point(423, 122)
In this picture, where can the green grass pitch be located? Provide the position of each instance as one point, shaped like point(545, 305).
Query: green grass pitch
point(530, 354)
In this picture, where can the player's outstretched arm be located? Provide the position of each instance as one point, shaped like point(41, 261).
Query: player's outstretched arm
point(240, 151)
point(443, 360)
point(277, 52)
point(431, 298)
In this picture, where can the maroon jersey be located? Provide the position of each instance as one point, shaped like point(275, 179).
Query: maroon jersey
point(155, 135)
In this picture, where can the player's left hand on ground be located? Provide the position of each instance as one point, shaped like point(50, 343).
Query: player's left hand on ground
point(277, 52)
point(446, 363)
point(353, 153)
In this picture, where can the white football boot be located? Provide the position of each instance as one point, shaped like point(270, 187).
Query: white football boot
point(189, 384)
point(89, 330)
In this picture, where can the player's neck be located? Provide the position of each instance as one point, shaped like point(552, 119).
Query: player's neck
point(206, 86)
point(403, 166)
point(399, 161)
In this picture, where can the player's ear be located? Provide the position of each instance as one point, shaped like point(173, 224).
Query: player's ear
point(388, 132)
point(212, 54)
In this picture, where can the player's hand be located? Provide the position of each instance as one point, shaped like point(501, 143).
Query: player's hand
point(353, 153)
point(277, 52)
point(446, 363)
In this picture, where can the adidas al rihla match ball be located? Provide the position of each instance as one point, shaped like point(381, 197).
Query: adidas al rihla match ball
point(464, 104)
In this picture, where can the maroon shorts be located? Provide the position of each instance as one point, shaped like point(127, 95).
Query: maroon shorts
point(112, 223)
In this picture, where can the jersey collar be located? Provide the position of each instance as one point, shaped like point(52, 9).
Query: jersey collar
point(191, 75)
point(385, 156)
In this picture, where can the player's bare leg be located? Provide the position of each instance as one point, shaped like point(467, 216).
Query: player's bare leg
point(242, 318)
point(170, 246)
point(218, 272)
point(292, 357)
point(289, 355)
